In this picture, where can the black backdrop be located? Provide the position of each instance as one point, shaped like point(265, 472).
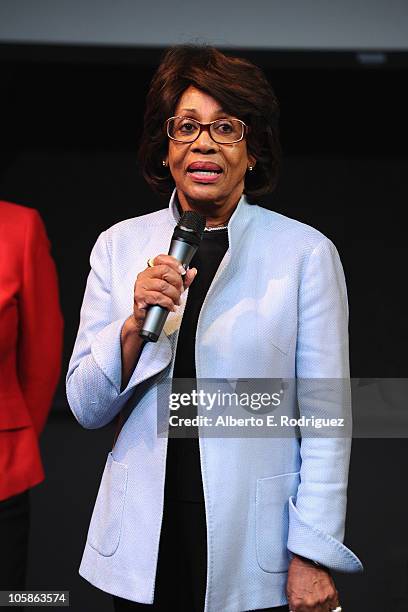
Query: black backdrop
point(70, 122)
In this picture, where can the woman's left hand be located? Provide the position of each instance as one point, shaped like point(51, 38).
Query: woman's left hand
point(310, 588)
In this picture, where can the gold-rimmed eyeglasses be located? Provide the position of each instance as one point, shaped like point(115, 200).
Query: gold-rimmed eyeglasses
point(223, 131)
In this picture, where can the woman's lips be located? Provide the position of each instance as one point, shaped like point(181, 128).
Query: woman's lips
point(199, 176)
point(204, 172)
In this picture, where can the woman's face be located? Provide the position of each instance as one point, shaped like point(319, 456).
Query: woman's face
point(216, 197)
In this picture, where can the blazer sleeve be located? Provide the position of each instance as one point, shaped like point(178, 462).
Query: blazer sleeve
point(317, 515)
point(93, 382)
point(40, 323)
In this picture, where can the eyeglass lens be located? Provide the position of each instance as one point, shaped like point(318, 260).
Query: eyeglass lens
point(222, 131)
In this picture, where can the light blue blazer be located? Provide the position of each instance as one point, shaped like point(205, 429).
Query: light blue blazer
point(277, 308)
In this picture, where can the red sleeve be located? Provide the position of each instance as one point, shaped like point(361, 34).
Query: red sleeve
point(40, 323)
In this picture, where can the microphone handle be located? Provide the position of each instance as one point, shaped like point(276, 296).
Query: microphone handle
point(156, 315)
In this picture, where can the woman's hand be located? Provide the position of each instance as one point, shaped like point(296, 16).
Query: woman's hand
point(310, 588)
point(162, 284)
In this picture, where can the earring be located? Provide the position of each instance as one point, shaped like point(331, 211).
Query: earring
point(250, 168)
point(164, 163)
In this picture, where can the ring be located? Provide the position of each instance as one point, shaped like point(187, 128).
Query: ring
point(150, 262)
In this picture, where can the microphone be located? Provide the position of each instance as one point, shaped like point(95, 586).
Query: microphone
point(185, 241)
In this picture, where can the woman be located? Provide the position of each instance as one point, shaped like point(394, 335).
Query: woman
point(264, 297)
point(31, 330)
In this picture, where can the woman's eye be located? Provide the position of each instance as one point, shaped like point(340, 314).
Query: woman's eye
point(188, 127)
point(225, 128)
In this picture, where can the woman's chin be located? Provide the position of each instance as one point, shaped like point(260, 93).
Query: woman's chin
point(203, 192)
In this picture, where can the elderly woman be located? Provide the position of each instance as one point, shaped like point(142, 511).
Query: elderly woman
point(213, 524)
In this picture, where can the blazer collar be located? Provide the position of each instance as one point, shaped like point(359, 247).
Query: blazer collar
point(238, 224)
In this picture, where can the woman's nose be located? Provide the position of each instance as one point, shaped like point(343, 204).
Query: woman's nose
point(204, 142)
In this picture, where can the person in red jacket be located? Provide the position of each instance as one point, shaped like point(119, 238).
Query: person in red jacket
point(31, 327)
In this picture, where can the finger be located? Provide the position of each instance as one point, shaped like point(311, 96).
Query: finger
point(308, 605)
point(162, 286)
point(314, 606)
point(168, 260)
point(166, 273)
point(190, 276)
point(155, 297)
point(334, 601)
point(325, 607)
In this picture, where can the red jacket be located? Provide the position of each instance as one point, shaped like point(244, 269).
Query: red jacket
point(31, 328)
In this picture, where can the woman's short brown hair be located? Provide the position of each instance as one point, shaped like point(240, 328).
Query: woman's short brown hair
point(242, 90)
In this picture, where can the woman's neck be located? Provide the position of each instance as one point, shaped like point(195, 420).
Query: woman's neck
point(211, 221)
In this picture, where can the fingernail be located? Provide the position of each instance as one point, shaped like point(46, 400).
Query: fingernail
point(181, 269)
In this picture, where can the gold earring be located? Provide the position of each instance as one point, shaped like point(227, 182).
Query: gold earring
point(250, 168)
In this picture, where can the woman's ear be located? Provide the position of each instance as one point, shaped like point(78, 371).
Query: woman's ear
point(251, 162)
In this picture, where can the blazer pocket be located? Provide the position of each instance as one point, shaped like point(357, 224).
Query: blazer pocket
point(272, 520)
point(106, 522)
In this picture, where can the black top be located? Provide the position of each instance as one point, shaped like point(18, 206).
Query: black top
point(183, 469)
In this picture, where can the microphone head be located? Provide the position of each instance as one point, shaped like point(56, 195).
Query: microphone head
point(192, 221)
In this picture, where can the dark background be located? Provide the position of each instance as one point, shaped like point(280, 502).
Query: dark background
point(70, 122)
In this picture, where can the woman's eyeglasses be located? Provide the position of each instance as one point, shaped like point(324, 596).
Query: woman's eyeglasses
point(222, 131)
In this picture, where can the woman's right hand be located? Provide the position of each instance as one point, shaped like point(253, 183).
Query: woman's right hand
point(161, 284)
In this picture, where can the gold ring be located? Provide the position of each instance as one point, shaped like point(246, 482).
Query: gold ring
point(150, 262)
